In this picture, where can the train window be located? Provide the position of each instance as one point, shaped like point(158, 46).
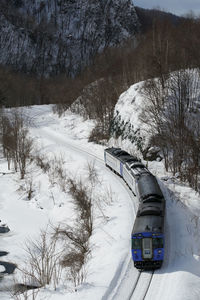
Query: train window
point(146, 243)
point(136, 244)
point(157, 243)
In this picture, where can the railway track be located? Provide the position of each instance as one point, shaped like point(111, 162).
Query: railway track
point(134, 290)
point(143, 278)
point(134, 285)
point(141, 286)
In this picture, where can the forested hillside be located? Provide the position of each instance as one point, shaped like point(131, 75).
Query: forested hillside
point(165, 49)
point(47, 38)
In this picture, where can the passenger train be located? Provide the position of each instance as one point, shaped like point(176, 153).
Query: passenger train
point(148, 229)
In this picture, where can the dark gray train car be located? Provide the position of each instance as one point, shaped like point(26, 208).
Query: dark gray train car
point(148, 188)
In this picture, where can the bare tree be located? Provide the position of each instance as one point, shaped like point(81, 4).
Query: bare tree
point(83, 203)
point(173, 115)
point(76, 251)
point(17, 144)
point(43, 260)
point(76, 238)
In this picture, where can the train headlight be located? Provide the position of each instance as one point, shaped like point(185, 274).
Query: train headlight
point(159, 251)
point(135, 252)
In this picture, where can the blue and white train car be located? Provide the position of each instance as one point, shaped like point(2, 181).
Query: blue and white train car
point(115, 159)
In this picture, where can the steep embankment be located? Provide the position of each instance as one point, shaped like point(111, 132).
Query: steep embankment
point(54, 36)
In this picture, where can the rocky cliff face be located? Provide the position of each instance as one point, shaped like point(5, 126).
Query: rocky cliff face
point(53, 36)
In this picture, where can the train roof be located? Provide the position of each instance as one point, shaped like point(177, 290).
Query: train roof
point(132, 162)
point(148, 186)
point(153, 198)
point(151, 208)
point(132, 159)
point(135, 163)
point(116, 151)
point(154, 224)
point(124, 158)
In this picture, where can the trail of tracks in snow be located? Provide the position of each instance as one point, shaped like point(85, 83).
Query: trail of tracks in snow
point(127, 280)
point(141, 286)
point(125, 274)
point(60, 140)
point(134, 284)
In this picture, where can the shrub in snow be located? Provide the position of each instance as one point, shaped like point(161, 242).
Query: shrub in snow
point(42, 266)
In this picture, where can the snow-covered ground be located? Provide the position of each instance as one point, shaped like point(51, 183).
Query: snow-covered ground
point(114, 214)
point(108, 275)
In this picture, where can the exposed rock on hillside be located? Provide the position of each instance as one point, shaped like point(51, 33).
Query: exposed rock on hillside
point(54, 36)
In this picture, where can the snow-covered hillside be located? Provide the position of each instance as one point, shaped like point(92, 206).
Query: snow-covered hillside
point(127, 128)
point(58, 36)
point(110, 272)
point(140, 114)
point(114, 210)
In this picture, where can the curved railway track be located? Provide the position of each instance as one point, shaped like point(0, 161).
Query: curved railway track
point(129, 273)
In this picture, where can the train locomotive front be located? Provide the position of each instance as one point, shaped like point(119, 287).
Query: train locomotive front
point(148, 242)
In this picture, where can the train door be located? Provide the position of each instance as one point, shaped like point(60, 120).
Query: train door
point(147, 251)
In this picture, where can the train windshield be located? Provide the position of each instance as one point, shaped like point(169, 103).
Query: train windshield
point(136, 243)
point(157, 243)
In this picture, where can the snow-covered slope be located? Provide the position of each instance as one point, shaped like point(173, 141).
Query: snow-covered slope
point(114, 209)
point(54, 36)
point(127, 129)
point(135, 121)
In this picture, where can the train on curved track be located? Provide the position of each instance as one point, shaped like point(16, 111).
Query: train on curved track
point(148, 229)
